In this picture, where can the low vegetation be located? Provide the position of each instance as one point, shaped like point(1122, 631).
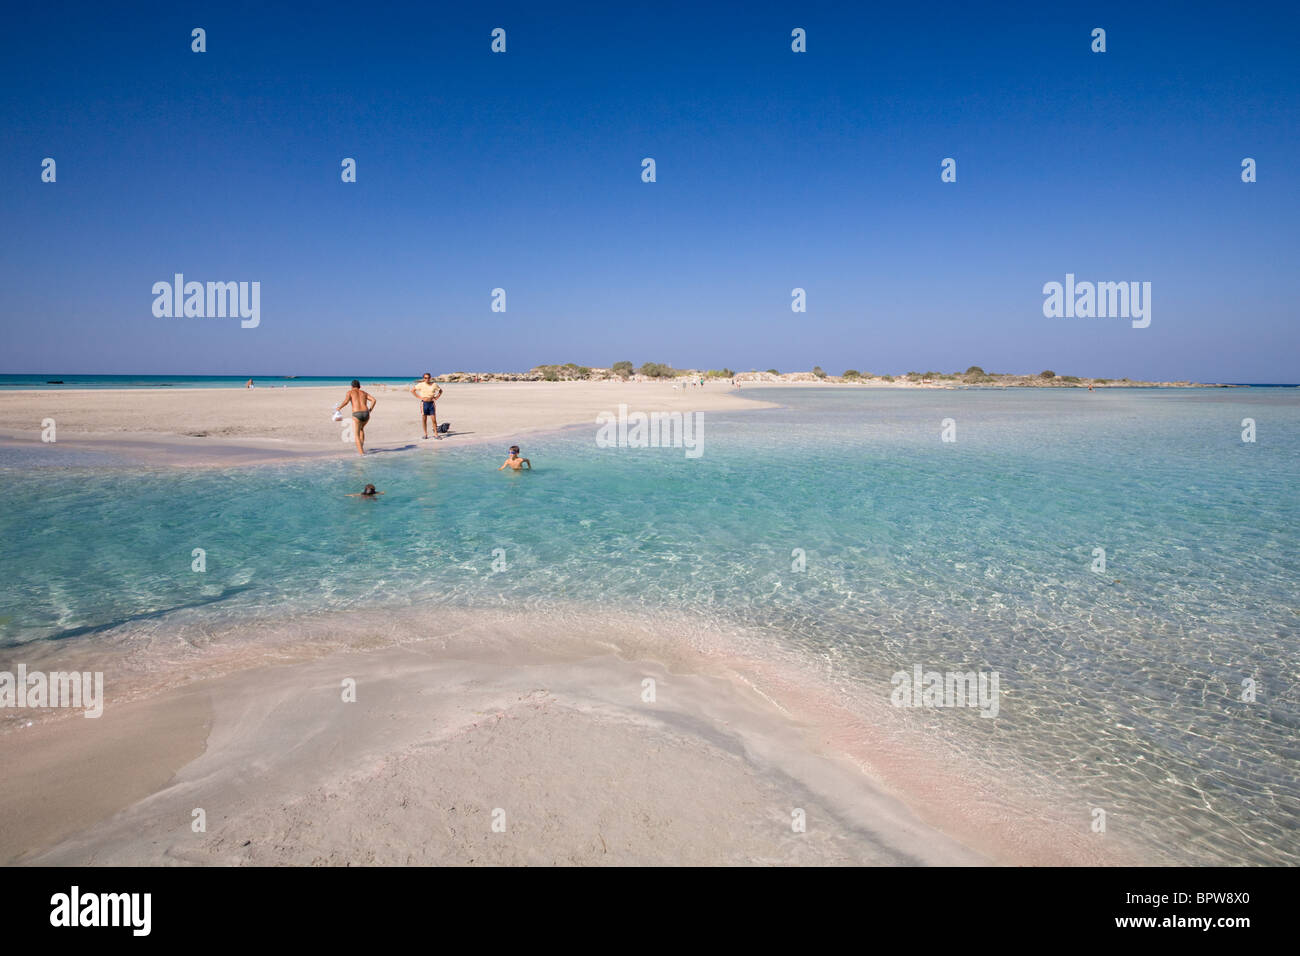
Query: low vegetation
point(569, 372)
point(657, 370)
point(624, 370)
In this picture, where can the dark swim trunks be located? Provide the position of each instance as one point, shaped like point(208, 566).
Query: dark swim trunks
point(428, 408)
point(362, 417)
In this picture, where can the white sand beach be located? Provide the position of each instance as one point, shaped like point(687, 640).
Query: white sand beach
point(245, 426)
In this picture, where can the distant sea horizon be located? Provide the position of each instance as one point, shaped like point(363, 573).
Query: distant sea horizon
point(53, 380)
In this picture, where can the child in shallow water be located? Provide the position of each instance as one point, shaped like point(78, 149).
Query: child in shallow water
point(514, 461)
point(367, 492)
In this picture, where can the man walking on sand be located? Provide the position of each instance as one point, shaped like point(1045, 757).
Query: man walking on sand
point(428, 392)
point(363, 403)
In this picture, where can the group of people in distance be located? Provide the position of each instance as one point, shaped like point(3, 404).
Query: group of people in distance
point(427, 391)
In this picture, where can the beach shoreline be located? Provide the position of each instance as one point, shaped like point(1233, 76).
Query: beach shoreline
point(234, 427)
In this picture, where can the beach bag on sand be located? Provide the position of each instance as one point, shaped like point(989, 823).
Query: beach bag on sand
point(444, 427)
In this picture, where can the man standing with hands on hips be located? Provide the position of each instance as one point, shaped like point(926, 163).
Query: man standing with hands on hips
point(428, 392)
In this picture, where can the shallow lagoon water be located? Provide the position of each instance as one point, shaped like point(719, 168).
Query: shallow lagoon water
point(1121, 689)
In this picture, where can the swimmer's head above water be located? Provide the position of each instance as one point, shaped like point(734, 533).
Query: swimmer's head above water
point(514, 461)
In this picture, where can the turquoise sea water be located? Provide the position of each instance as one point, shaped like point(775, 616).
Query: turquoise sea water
point(1123, 689)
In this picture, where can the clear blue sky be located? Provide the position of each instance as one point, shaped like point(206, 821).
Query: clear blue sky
point(775, 170)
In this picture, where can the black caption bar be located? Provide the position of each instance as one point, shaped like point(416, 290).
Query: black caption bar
point(331, 906)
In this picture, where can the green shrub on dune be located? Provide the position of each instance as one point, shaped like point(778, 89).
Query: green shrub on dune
point(568, 372)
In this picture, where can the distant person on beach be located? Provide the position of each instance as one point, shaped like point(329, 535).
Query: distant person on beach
point(368, 492)
point(428, 392)
point(515, 462)
point(250, 384)
point(363, 403)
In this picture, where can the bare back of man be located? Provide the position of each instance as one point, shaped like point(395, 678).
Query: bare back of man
point(363, 403)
